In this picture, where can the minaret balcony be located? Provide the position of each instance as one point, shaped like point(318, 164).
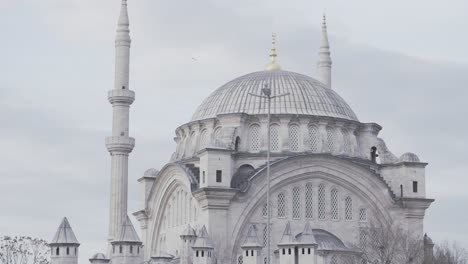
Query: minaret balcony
point(120, 144)
point(121, 96)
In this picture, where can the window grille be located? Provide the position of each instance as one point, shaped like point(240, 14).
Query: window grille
point(348, 208)
point(309, 201)
point(240, 260)
point(346, 141)
point(296, 203)
point(313, 138)
point(265, 210)
point(254, 138)
point(265, 235)
point(363, 215)
point(274, 138)
point(363, 239)
point(334, 204)
point(294, 137)
point(334, 260)
point(281, 205)
point(321, 202)
point(203, 139)
point(330, 140)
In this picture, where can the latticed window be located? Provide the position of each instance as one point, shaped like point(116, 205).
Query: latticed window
point(363, 239)
point(334, 260)
point(203, 139)
point(334, 204)
point(294, 137)
point(254, 138)
point(309, 201)
point(348, 208)
point(265, 235)
point(265, 210)
point(281, 205)
point(296, 203)
point(313, 138)
point(274, 138)
point(346, 141)
point(321, 202)
point(363, 215)
point(330, 139)
point(240, 260)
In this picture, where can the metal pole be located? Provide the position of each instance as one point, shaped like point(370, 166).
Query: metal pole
point(268, 181)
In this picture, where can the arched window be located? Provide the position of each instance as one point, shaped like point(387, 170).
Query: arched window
point(217, 136)
point(313, 138)
point(265, 235)
point(309, 201)
point(237, 144)
point(348, 208)
point(254, 138)
point(333, 260)
point(120, 249)
point(330, 140)
point(274, 138)
point(363, 215)
point(321, 202)
point(281, 205)
point(57, 251)
point(68, 251)
point(296, 203)
point(363, 239)
point(265, 210)
point(334, 204)
point(346, 141)
point(193, 142)
point(240, 260)
point(203, 142)
point(294, 137)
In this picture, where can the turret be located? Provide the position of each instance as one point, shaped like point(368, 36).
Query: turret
point(127, 247)
point(251, 248)
point(99, 258)
point(428, 250)
point(203, 249)
point(215, 168)
point(188, 238)
point(64, 245)
point(306, 246)
point(287, 246)
point(325, 62)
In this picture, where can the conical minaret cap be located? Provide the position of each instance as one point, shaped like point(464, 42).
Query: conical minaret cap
point(127, 233)
point(64, 235)
point(251, 241)
point(188, 232)
point(307, 236)
point(203, 240)
point(123, 26)
point(287, 238)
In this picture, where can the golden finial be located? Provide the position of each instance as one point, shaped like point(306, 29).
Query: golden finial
point(273, 66)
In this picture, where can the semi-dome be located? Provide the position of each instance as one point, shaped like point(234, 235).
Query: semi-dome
point(307, 96)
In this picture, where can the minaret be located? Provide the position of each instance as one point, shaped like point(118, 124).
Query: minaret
point(325, 62)
point(120, 144)
point(273, 65)
point(64, 245)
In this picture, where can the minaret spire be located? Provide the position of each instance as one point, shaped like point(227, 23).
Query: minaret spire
point(273, 65)
point(120, 144)
point(325, 62)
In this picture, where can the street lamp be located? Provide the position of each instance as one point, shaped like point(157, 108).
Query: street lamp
point(266, 91)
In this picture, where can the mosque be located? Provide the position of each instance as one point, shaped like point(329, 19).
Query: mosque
point(330, 176)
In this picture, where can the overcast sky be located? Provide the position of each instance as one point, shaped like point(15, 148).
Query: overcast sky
point(402, 64)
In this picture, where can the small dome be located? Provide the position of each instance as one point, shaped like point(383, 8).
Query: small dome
point(151, 172)
point(98, 256)
point(328, 241)
point(307, 96)
point(428, 240)
point(409, 157)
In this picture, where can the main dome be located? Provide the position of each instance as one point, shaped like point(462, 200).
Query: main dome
point(307, 96)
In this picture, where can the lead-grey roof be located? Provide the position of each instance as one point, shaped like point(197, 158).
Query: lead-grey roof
point(64, 234)
point(127, 233)
point(307, 96)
